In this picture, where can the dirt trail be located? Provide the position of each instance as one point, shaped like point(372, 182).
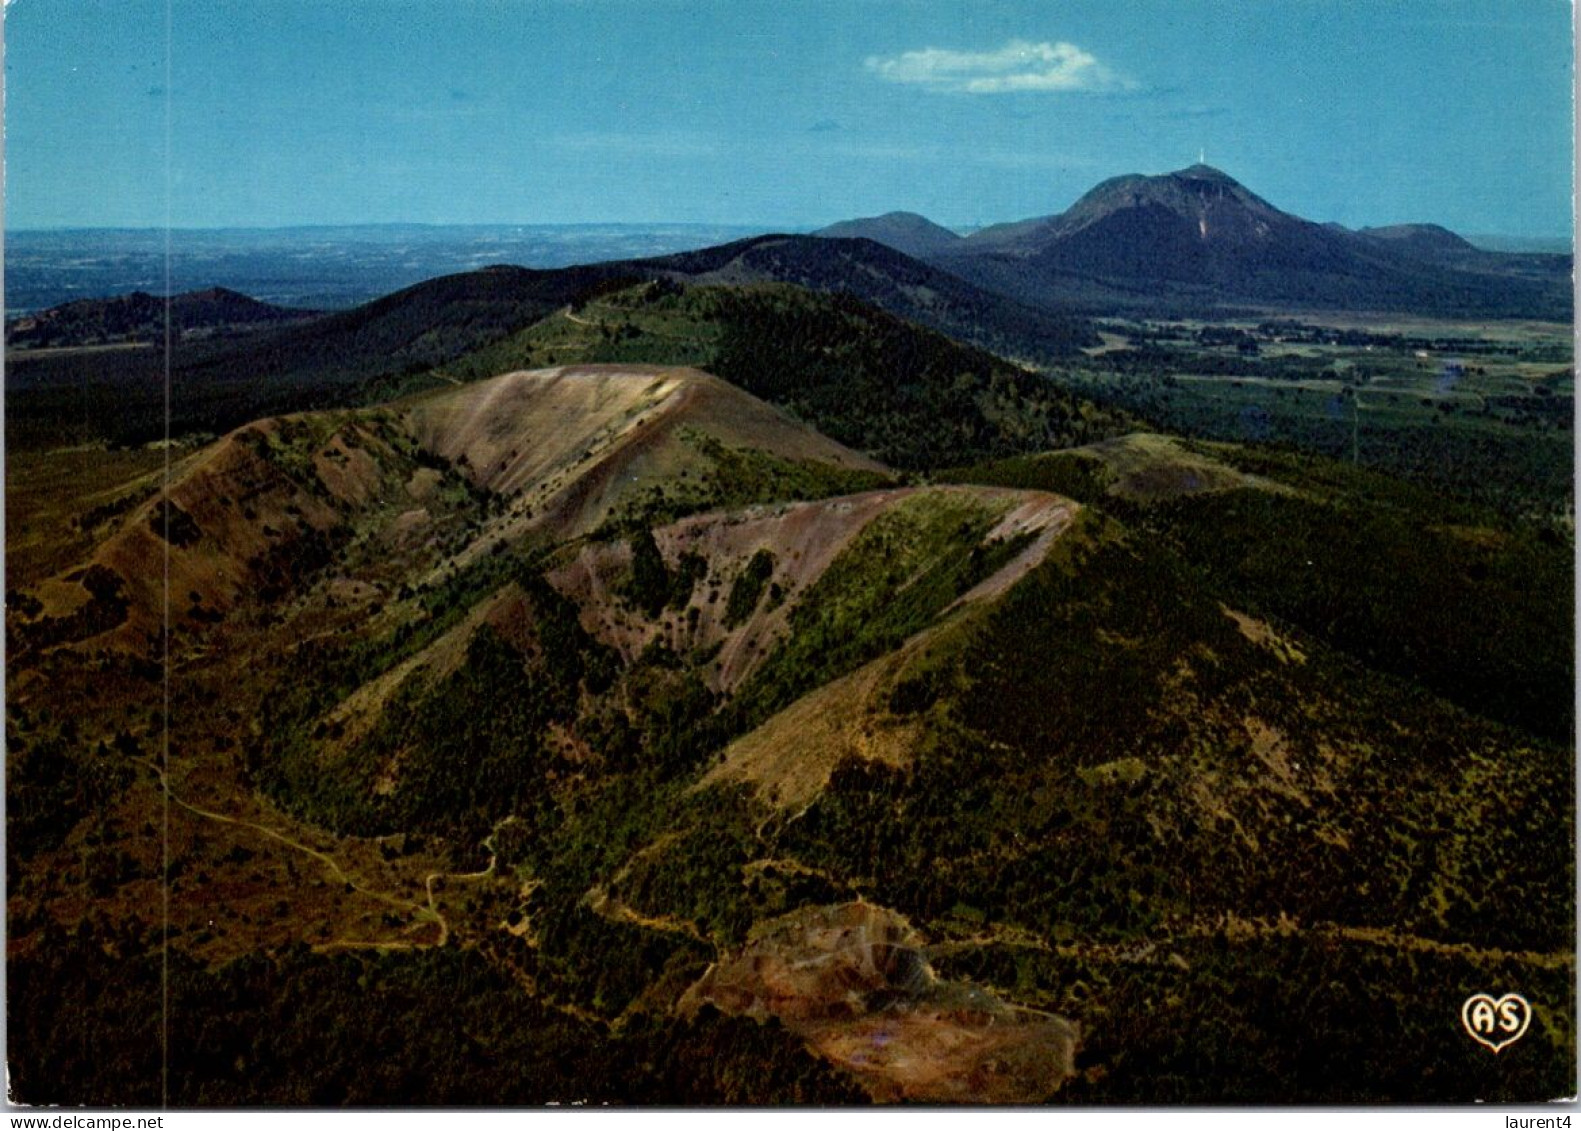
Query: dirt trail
point(606, 906)
point(1389, 937)
point(429, 913)
point(459, 877)
point(1237, 929)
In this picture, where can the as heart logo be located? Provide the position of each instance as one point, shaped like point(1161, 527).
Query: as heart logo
point(1496, 1023)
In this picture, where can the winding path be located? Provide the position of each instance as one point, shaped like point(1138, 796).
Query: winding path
point(428, 913)
point(1142, 950)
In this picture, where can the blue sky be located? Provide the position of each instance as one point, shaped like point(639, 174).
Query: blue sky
point(785, 114)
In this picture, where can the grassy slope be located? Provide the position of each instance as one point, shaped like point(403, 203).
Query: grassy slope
point(57, 501)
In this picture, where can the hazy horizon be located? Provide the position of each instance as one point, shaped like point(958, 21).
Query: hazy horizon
point(1562, 236)
point(663, 112)
point(1556, 241)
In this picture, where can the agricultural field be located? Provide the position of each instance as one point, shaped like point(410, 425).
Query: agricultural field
point(1485, 409)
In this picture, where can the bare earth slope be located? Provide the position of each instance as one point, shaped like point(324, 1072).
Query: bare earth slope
point(569, 444)
point(551, 452)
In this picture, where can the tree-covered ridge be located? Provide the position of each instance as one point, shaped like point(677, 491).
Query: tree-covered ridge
point(1407, 581)
point(910, 397)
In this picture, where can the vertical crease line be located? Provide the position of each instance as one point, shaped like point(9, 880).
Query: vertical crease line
point(164, 887)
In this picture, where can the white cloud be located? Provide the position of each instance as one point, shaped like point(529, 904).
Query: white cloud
point(1017, 66)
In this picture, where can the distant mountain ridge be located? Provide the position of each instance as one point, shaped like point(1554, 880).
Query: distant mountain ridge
point(140, 317)
point(904, 231)
point(1198, 239)
point(1424, 236)
point(333, 267)
point(895, 282)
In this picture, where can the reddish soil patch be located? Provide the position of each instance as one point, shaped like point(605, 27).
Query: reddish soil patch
point(246, 521)
point(853, 981)
point(803, 537)
point(350, 473)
